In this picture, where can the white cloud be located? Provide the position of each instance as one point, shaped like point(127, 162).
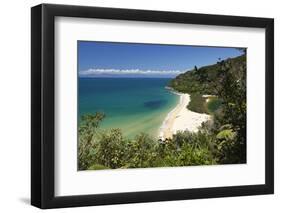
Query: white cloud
point(128, 73)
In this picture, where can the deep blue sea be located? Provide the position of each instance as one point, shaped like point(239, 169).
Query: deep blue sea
point(133, 104)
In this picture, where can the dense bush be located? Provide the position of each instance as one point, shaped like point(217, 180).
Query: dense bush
point(206, 80)
point(197, 103)
point(87, 135)
point(109, 149)
point(200, 104)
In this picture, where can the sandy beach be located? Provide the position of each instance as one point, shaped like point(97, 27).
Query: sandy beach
point(181, 119)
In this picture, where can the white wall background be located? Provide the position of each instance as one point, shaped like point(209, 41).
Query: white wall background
point(15, 105)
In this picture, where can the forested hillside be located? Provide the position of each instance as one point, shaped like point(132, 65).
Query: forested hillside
point(207, 80)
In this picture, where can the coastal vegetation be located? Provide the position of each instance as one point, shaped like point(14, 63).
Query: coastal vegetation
point(208, 79)
point(197, 103)
point(108, 149)
point(202, 104)
point(221, 140)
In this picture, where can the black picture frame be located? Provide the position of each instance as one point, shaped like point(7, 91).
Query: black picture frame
point(43, 117)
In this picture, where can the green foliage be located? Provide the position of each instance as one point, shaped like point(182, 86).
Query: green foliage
point(226, 134)
point(86, 131)
point(98, 167)
point(232, 91)
point(226, 146)
point(204, 80)
point(141, 152)
point(109, 149)
point(197, 103)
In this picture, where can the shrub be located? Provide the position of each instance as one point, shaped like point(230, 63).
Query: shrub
point(197, 103)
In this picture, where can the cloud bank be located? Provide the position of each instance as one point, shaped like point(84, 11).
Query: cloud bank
point(111, 73)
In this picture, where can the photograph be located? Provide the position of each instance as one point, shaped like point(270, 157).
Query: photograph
point(145, 105)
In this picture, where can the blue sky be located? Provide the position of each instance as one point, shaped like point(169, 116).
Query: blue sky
point(109, 59)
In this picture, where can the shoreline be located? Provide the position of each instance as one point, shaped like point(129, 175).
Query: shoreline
point(180, 118)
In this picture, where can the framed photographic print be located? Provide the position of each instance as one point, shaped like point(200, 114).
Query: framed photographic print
point(139, 106)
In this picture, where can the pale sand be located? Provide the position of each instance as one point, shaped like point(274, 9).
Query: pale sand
point(181, 119)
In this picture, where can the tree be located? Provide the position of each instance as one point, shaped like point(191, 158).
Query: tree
point(141, 152)
point(111, 149)
point(86, 145)
point(233, 94)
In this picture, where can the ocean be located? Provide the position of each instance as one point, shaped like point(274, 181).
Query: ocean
point(134, 105)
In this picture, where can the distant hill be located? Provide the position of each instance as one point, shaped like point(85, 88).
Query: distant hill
point(205, 80)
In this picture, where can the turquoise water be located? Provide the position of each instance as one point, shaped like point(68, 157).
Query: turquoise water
point(132, 104)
